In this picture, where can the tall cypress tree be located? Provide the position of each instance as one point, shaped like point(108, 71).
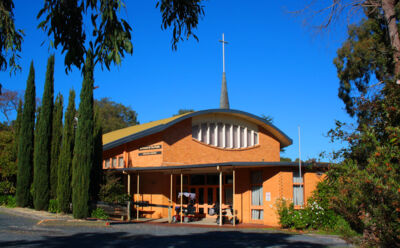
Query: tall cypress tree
point(41, 158)
point(56, 143)
point(66, 155)
point(25, 140)
point(84, 145)
point(96, 173)
point(17, 128)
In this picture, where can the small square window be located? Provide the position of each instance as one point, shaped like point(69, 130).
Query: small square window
point(107, 163)
point(114, 162)
point(121, 162)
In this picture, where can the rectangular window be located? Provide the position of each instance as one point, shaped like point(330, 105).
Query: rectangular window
point(249, 143)
point(204, 132)
point(114, 162)
point(212, 179)
point(257, 214)
point(107, 163)
point(242, 137)
point(210, 196)
point(220, 135)
point(195, 132)
point(257, 195)
point(201, 196)
point(298, 195)
point(296, 177)
point(228, 179)
point(121, 162)
point(178, 180)
point(197, 180)
point(256, 177)
point(228, 135)
point(212, 134)
point(255, 138)
point(235, 137)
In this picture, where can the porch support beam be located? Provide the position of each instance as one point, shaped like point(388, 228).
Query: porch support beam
point(138, 196)
point(129, 201)
point(233, 198)
point(181, 212)
point(170, 201)
point(220, 196)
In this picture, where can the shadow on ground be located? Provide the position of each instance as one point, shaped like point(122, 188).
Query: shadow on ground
point(210, 239)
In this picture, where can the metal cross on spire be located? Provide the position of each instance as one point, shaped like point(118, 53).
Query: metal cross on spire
point(223, 52)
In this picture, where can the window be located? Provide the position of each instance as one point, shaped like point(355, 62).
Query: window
point(114, 162)
point(121, 162)
point(107, 164)
point(197, 180)
point(257, 212)
point(228, 196)
point(226, 135)
point(298, 189)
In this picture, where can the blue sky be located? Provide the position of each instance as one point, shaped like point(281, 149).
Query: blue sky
point(275, 66)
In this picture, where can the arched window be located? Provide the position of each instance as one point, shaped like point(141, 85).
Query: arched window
point(225, 133)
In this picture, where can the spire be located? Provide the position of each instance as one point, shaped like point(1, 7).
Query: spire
point(224, 101)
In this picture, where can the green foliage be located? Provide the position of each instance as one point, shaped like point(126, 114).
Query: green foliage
point(283, 159)
point(109, 38)
point(8, 168)
point(66, 155)
point(312, 216)
point(113, 191)
point(84, 146)
point(25, 148)
point(184, 111)
point(42, 151)
point(56, 138)
point(114, 115)
point(53, 206)
point(8, 201)
point(365, 55)
point(99, 213)
point(10, 38)
point(183, 16)
point(96, 174)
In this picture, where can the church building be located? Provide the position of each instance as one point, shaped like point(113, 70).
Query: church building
point(226, 157)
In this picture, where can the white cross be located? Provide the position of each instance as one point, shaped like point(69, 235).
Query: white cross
point(223, 52)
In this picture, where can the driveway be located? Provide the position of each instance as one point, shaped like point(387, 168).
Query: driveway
point(22, 231)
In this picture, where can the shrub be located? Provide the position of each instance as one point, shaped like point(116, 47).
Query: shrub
point(113, 191)
point(99, 213)
point(53, 206)
point(8, 201)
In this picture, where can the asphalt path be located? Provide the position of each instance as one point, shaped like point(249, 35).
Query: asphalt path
point(19, 231)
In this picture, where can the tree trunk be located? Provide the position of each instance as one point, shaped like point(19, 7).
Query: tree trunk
point(388, 7)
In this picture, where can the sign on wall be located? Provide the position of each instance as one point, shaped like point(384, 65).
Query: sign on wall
point(153, 147)
point(267, 196)
point(149, 153)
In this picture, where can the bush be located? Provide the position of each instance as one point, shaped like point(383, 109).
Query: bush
point(113, 191)
point(53, 206)
point(99, 213)
point(8, 201)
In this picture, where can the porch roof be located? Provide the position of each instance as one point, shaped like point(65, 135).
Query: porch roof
point(206, 168)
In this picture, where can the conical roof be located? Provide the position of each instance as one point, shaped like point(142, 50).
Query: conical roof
point(224, 100)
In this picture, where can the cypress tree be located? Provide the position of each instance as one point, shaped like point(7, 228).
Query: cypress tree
point(56, 144)
point(41, 158)
point(25, 143)
point(97, 168)
point(66, 154)
point(84, 145)
point(17, 128)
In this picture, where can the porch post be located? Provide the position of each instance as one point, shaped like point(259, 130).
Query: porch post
point(233, 198)
point(129, 193)
point(138, 197)
point(220, 196)
point(181, 197)
point(170, 201)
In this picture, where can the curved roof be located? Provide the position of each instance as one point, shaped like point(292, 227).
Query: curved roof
point(122, 136)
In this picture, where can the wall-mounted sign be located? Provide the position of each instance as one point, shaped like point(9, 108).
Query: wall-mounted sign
point(153, 147)
point(149, 153)
point(267, 196)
